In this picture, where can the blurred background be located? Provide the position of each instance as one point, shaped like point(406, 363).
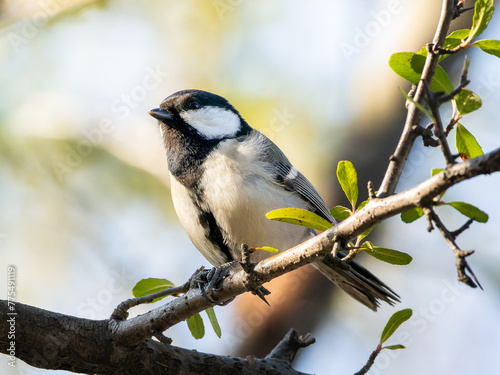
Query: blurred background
point(85, 208)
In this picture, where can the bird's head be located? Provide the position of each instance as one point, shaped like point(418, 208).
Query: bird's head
point(200, 115)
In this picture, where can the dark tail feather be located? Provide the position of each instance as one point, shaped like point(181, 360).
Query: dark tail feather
point(358, 282)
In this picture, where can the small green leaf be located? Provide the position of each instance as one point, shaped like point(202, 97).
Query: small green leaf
point(411, 215)
point(466, 143)
point(489, 46)
point(470, 211)
point(409, 65)
point(394, 322)
point(145, 287)
point(213, 321)
point(340, 212)
point(269, 249)
point(394, 347)
point(455, 38)
point(196, 326)
point(387, 255)
point(348, 179)
point(467, 102)
point(299, 216)
point(483, 10)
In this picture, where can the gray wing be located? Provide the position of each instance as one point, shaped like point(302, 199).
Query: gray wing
point(291, 179)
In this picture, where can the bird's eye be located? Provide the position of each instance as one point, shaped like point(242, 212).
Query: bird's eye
point(194, 104)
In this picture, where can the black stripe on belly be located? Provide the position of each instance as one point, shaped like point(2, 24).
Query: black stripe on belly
point(213, 233)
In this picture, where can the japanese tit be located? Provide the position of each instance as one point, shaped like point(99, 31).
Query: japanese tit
point(225, 176)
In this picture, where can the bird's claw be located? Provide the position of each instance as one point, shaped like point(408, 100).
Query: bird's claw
point(208, 281)
point(248, 267)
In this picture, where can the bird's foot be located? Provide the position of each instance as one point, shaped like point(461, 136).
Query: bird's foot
point(209, 281)
point(248, 267)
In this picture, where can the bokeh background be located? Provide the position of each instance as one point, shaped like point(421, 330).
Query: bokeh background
point(85, 208)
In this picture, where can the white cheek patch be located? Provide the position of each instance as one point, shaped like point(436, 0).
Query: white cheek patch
point(212, 122)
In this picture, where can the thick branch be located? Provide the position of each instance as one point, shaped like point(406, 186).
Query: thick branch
point(55, 341)
point(398, 159)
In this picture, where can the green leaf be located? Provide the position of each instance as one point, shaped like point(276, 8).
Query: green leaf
point(489, 46)
point(455, 38)
point(441, 81)
point(466, 143)
point(145, 287)
point(394, 347)
point(348, 179)
point(387, 255)
point(340, 212)
point(196, 326)
point(269, 249)
point(213, 321)
point(483, 10)
point(467, 102)
point(470, 211)
point(299, 216)
point(409, 65)
point(394, 322)
point(411, 215)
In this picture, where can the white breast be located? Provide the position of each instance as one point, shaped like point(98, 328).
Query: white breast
point(238, 195)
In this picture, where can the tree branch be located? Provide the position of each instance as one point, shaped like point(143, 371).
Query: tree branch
point(398, 159)
point(462, 265)
point(55, 341)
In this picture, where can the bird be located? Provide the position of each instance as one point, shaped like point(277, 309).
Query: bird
point(225, 176)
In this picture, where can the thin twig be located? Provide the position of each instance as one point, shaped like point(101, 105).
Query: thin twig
point(121, 311)
point(462, 265)
point(434, 104)
point(371, 190)
point(460, 230)
point(370, 362)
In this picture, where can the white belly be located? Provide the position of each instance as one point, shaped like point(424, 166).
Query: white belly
point(239, 199)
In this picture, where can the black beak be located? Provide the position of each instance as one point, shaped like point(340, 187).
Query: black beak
point(161, 114)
